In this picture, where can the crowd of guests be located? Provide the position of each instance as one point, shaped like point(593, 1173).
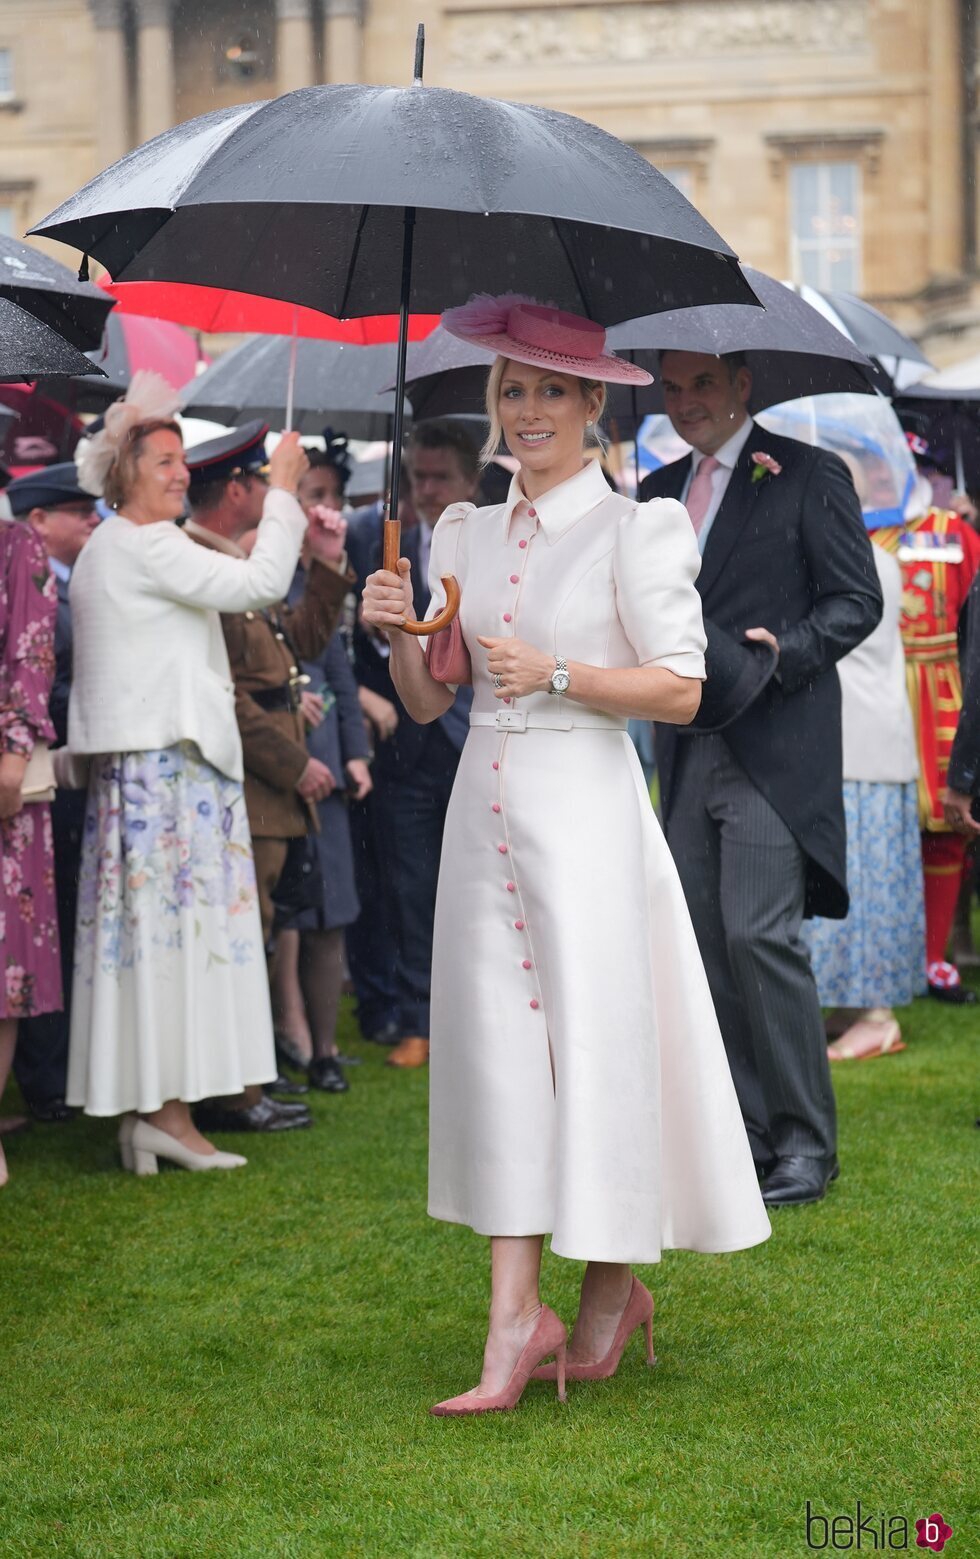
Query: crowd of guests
point(246, 818)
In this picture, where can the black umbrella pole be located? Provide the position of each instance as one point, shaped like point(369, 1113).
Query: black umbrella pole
point(393, 530)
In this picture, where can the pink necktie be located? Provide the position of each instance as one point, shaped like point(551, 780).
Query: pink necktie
point(700, 492)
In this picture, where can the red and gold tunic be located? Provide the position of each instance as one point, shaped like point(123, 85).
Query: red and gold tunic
point(939, 555)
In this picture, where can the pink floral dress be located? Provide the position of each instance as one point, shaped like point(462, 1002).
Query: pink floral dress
point(31, 968)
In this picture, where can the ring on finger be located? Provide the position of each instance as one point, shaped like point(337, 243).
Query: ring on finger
point(498, 680)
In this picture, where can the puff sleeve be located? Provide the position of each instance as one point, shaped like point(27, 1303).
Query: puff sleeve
point(444, 554)
point(655, 564)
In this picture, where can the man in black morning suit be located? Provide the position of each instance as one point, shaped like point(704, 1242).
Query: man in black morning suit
point(414, 768)
point(752, 791)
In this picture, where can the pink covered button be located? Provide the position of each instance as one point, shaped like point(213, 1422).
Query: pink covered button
point(511, 887)
point(502, 848)
point(518, 925)
point(495, 764)
point(496, 805)
point(533, 513)
point(506, 700)
point(522, 543)
point(534, 1004)
point(526, 964)
point(515, 579)
point(507, 617)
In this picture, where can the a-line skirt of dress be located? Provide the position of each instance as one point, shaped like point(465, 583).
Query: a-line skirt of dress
point(31, 982)
point(877, 956)
point(171, 994)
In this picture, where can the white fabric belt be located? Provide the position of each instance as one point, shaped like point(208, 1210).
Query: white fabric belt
point(557, 719)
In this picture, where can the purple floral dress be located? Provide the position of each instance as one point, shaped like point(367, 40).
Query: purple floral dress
point(31, 982)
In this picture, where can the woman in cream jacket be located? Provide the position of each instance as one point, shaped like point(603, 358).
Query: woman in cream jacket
point(171, 1000)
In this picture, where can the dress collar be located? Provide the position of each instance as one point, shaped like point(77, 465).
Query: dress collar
point(562, 506)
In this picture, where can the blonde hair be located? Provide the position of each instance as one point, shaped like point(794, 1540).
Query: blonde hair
point(121, 475)
point(593, 440)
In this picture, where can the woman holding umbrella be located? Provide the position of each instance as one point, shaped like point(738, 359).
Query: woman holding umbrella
point(579, 1084)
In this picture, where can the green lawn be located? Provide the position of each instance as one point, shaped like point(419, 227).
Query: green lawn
point(225, 1365)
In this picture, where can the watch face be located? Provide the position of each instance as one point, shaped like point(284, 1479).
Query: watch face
point(560, 681)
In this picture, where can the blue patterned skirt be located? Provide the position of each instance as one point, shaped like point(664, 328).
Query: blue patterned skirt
point(876, 957)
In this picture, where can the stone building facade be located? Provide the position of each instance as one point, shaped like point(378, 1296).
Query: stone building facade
point(833, 141)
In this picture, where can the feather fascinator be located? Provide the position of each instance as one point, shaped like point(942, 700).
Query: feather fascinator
point(150, 398)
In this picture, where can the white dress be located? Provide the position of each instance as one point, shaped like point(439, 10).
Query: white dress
point(579, 1084)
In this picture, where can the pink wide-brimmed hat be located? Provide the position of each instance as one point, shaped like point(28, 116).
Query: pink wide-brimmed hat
point(528, 332)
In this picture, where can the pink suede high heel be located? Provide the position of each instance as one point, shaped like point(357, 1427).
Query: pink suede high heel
point(549, 1336)
point(638, 1312)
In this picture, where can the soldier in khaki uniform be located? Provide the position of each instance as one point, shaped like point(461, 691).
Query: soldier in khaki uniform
point(282, 782)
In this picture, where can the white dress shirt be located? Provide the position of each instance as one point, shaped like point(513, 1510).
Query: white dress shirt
point(727, 457)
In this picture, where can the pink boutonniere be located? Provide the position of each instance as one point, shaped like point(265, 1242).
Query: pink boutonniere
point(764, 466)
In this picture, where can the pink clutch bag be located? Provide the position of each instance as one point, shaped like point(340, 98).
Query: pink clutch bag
point(447, 655)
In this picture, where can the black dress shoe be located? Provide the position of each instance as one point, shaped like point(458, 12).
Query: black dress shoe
point(267, 1115)
point(797, 1180)
point(51, 1111)
point(956, 995)
point(284, 1085)
point(327, 1075)
point(388, 1034)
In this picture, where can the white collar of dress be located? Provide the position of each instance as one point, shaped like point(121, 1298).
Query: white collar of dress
point(562, 506)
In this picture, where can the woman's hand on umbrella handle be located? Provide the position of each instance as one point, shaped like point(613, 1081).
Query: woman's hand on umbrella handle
point(387, 598)
point(289, 461)
point(311, 708)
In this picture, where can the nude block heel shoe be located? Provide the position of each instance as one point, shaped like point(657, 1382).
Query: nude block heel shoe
point(126, 1142)
point(638, 1312)
point(147, 1144)
point(549, 1336)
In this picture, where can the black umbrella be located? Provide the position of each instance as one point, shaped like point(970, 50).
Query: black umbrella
point(48, 290)
point(30, 349)
point(897, 358)
point(359, 199)
point(950, 418)
point(332, 382)
point(790, 349)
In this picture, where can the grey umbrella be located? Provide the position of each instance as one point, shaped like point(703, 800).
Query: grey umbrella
point(333, 383)
point(897, 358)
point(30, 349)
point(51, 292)
point(790, 349)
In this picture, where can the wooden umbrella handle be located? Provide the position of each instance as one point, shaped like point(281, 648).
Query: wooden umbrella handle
point(392, 550)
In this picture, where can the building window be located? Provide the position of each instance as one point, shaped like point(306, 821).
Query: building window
point(7, 222)
point(825, 225)
point(6, 73)
point(682, 178)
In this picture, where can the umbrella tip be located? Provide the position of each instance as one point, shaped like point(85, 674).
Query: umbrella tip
point(419, 54)
point(83, 269)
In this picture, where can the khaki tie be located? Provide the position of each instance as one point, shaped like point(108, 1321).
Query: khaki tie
point(700, 492)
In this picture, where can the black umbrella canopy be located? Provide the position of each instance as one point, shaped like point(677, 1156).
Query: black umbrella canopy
point(30, 349)
point(949, 418)
point(53, 294)
point(791, 350)
point(333, 383)
point(303, 198)
point(897, 358)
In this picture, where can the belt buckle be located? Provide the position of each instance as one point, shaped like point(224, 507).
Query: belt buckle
point(511, 720)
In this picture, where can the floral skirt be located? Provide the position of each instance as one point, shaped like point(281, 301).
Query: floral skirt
point(877, 956)
point(171, 994)
point(31, 981)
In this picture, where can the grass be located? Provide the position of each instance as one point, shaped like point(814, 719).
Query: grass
point(238, 1365)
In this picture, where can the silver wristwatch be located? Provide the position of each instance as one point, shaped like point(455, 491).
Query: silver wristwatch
point(559, 677)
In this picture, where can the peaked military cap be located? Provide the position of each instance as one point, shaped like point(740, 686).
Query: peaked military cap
point(47, 488)
point(240, 452)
